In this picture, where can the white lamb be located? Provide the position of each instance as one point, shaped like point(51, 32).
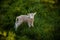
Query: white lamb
point(29, 18)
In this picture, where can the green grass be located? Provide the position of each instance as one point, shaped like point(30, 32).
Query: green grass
point(46, 21)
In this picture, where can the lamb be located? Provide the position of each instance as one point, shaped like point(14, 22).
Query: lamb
point(29, 18)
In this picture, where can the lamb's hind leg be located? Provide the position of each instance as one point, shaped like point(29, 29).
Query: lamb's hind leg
point(17, 25)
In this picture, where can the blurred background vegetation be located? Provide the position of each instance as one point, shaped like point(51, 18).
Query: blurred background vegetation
point(46, 24)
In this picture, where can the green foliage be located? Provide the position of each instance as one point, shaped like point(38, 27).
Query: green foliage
point(46, 22)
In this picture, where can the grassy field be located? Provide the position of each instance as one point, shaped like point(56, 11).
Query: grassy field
point(46, 21)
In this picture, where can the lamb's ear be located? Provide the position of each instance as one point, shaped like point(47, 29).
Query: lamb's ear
point(35, 13)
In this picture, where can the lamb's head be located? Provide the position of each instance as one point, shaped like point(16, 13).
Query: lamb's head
point(31, 15)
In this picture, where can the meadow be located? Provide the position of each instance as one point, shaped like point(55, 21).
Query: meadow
point(46, 21)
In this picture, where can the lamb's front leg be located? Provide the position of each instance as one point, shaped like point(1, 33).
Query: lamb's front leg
point(29, 24)
point(32, 24)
